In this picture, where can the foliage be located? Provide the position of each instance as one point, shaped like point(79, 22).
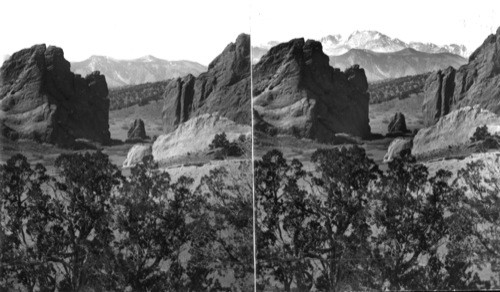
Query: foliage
point(227, 148)
point(219, 141)
point(480, 134)
point(140, 94)
point(349, 226)
point(88, 227)
point(230, 227)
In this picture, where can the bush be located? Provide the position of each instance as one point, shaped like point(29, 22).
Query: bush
point(219, 141)
point(480, 134)
point(227, 148)
point(234, 149)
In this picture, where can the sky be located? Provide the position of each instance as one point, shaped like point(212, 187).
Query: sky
point(127, 29)
point(199, 30)
point(436, 21)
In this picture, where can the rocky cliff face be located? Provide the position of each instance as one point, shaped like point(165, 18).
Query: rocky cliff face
point(224, 88)
point(297, 92)
point(42, 100)
point(477, 82)
point(455, 129)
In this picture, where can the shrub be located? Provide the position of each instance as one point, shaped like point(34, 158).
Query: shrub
point(234, 149)
point(219, 141)
point(480, 134)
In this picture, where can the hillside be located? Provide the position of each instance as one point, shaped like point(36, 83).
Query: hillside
point(141, 94)
point(399, 88)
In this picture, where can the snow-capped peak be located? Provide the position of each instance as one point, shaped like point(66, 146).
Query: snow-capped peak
point(147, 59)
point(379, 42)
point(333, 39)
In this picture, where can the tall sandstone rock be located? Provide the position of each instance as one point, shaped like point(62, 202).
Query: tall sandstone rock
point(297, 92)
point(477, 82)
point(224, 88)
point(42, 100)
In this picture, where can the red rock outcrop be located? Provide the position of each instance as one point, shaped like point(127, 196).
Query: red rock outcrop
point(477, 82)
point(224, 88)
point(42, 100)
point(297, 92)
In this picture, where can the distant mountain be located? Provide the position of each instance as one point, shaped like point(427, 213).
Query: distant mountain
point(379, 66)
point(136, 71)
point(335, 45)
point(460, 50)
point(367, 40)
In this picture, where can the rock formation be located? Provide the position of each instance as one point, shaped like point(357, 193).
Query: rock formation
point(454, 129)
point(397, 124)
point(137, 131)
point(42, 100)
point(477, 82)
point(196, 135)
point(136, 154)
point(397, 146)
point(224, 88)
point(297, 92)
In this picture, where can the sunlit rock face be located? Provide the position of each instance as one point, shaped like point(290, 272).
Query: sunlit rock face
point(297, 92)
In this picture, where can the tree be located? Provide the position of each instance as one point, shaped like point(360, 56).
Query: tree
point(153, 219)
point(275, 256)
point(59, 228)
point(80, 227)
point(219, 141)
point(311, 227)
point(478, 215)
point(22, 209)
point(347, 225)
point(342, 192)
point(413, 225)
point(480, 134)
point(225, 231)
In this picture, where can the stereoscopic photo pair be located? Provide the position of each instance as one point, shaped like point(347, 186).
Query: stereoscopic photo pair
point(249, 146)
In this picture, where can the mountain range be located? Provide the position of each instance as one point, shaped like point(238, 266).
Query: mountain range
point(383, 57)
point(375, 41)
point(380, 66)
point(137, 71)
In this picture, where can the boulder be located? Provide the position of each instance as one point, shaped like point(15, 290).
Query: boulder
point(136, 154)
point(454, 129)
point(397, 146)
point(137, 131)
point(397, 124)
point(474, 83)
point(224, 88)
point(196, 135)
point(42, 100)
point(297, 92)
